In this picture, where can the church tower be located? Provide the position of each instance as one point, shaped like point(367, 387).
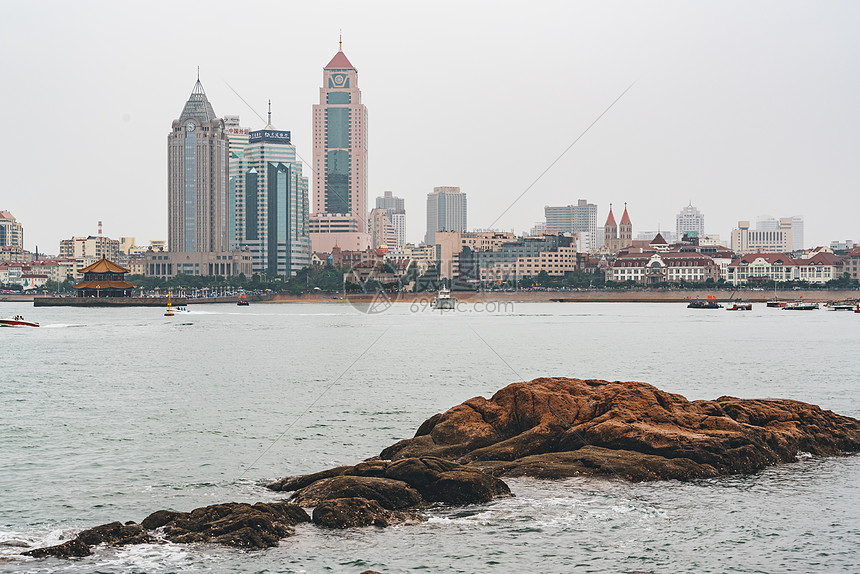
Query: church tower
point(625, 230)
point(610, 232)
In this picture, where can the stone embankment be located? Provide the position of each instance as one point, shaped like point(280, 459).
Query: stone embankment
point(547, 428)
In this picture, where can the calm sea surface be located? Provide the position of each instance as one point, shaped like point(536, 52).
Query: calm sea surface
point(111, 414)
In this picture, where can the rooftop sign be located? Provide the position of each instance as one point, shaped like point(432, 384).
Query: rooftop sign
point(270, 136)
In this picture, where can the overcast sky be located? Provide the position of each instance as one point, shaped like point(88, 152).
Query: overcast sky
point(744, 108)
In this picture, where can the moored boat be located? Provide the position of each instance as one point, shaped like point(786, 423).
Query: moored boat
point(444, 300)
point(800, 305)
point(740, 306)
point(243, 300)
point(704, 304)
point(17, 321)
point(839, 306)
point(776, 303)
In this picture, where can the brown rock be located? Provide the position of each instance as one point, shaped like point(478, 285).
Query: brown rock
point(405, 483)
point(261, 525)
point(292, 483)
point(631, 430)
point(114, 533)
point(390, 494)
point(72, 549)
point(357, 512)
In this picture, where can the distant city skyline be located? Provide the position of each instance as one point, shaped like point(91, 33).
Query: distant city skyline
point(740, 115)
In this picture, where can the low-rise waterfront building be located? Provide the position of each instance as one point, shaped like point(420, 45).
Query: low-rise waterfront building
point(517, 258)
point(820, 268)
point(851, 264)
point(166, 264)
point(653, 268)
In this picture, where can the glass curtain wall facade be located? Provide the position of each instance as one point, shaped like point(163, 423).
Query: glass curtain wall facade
point(274, 204)
point(197, 150)
point(340, 146)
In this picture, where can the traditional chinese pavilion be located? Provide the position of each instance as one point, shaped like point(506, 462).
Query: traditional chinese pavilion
point(104, 279)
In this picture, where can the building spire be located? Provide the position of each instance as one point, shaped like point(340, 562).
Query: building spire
point(270, 112)
point(198, 73)
point(340, 42)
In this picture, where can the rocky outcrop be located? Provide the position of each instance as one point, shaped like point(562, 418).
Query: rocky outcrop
point(406, 483)
point(545, 428)
point(261, 525)
point(558, 427)
point(357, 512)
point(113, 533)
point(388, 493)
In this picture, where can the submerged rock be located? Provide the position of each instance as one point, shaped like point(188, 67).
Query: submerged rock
point(72, 549)
point(261, 525)
point(113, 533)
point(559, 427)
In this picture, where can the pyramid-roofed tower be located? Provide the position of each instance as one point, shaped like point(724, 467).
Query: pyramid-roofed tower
point(198, 106)
point(339, 61)
point(625, 219)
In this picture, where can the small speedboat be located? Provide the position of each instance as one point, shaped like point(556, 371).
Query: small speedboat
point(17, 321)
point(243, 300)
point(740, 306)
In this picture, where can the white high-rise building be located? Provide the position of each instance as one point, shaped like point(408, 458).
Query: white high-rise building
point(690, 220)
point(579, 218)
point(396, 214)
point(446, 211)
point(795, 223)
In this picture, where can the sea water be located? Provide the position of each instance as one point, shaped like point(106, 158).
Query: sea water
point(111, 414)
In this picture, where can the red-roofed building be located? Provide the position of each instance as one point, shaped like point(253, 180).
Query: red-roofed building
point(651, 268)
point(851, 264)
point(779, 267)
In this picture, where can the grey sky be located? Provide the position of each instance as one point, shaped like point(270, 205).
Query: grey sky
point(743, 108)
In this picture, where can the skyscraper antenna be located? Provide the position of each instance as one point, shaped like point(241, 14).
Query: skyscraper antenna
point(270, 112)
point(340, 41)
point(198, 73)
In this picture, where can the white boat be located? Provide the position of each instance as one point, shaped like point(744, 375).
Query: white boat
point(444, 300)
point(800, 306)
point(17, 321)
